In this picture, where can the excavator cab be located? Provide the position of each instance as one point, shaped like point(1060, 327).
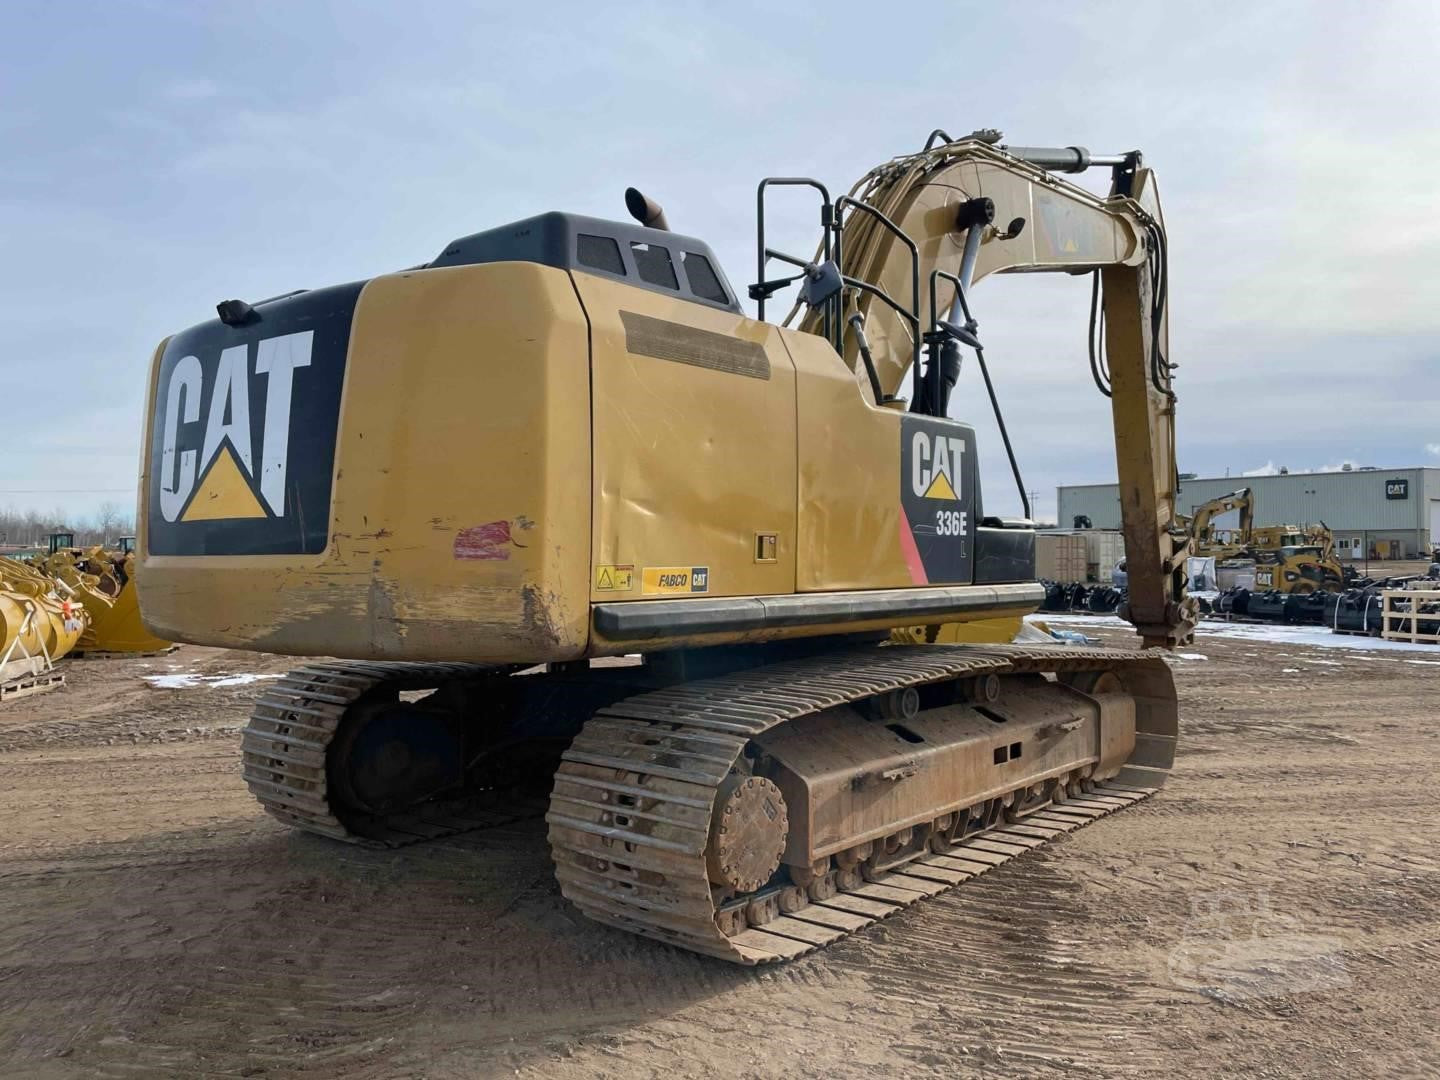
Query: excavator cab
point(60, 541)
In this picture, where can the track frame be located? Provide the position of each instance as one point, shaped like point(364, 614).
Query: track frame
point(630, 812)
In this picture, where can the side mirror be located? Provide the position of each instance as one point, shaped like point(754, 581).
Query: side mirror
point(821, 283)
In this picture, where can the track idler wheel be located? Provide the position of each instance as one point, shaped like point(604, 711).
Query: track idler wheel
point(748, 830)
point(393, 754)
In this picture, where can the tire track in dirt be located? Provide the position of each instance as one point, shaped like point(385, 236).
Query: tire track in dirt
point(152, 923)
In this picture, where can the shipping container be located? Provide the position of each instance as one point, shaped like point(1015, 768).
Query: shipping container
point(1103, 549)
point(1060, 557)
point(1091, 553)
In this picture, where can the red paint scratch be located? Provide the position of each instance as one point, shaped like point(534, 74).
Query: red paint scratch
point(912, 552)
point(488, 541)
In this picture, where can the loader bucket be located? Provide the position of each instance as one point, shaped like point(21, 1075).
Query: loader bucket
point(37, 626)
point(94, 579)
point(116, 627)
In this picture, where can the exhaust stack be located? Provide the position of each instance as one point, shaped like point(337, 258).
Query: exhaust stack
point(645, 210)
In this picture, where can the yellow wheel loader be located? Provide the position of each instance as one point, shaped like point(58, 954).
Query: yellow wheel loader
point(573, 518)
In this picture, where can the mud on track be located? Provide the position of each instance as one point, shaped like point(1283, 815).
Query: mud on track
point(1274, 911)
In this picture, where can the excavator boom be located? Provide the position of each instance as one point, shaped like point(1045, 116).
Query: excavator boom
point(928, 226)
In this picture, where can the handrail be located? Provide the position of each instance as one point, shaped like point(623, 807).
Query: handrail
point(914, 316)
point(827, 212)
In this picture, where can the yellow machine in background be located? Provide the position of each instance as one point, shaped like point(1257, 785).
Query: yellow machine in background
point(103, 581)
point(1296, 560)
point(1287, 558)
point(563, 439)
point(37, 627)
point(1221, 543)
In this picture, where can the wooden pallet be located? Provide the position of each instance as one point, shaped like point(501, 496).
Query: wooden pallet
point(102, 654)
point(27, 685)
point(1397, 625)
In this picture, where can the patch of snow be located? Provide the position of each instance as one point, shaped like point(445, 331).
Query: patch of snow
point(1290, 671)
point(1191, 656)
point(1260, 633)
point(245, 678)
point(188, 680)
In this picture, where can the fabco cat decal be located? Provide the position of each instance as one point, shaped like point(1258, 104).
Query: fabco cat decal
point(243, 436)
point(937, 499)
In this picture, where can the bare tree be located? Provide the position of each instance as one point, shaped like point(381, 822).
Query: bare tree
point(107, 521)
point(29, 528)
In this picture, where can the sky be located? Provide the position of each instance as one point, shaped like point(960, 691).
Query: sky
point(156, 158)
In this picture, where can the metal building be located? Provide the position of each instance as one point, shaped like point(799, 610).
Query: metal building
point(1374, 513)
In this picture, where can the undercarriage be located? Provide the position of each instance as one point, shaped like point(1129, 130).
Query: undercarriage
point(752, 814)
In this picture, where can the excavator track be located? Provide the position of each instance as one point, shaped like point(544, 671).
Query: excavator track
point(292, 725)
point(630, 814)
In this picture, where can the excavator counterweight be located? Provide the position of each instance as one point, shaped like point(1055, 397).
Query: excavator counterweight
point(564, 440)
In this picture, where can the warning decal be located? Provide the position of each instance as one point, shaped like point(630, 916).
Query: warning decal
point(611, 578)
point(675, 580)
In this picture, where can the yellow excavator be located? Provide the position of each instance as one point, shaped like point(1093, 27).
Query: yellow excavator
point(570, 515)
point(1222, 543)
point(1287, 558)
point(103, 581)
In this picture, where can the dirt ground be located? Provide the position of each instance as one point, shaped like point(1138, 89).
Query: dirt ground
point(1274, 911)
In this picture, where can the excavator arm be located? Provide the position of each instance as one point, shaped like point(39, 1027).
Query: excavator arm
point(1241, 500)
point(915, 234)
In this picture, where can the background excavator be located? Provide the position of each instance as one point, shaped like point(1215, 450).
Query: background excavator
point(562, 441)
point(1222, 543)
point(1287, 558)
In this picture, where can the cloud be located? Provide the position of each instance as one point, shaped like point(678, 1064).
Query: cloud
point(190, 89)
point(350, 148)
point(1346, 465)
